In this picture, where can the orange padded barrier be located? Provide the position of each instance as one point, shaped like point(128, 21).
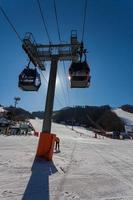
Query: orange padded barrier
point(46, 145)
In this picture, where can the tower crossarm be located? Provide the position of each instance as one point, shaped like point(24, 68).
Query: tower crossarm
point(64, 52)
point(39, 53)
point(29, 46)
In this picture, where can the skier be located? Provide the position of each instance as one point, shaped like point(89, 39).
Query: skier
point(57, 144)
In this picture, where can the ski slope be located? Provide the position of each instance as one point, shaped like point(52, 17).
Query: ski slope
point(86, 168)
point(2, 109)
point(125, 116)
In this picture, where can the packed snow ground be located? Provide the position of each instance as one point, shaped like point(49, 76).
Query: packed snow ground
point(86, 168)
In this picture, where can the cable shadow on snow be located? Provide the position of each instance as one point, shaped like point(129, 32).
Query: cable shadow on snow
point(38, 185)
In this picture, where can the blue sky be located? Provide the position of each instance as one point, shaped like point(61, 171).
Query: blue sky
point(108, 39)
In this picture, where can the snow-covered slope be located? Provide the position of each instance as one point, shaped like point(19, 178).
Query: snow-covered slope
point(85, 169)
point(125, 116)
point(37, 125)
point(2, 109)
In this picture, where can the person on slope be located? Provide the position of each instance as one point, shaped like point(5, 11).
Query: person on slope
point(57, 144)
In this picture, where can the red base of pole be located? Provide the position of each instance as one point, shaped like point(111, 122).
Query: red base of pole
point(46, 145)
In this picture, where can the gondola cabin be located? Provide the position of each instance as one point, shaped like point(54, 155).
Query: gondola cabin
point(79, 75)
point(29, 80)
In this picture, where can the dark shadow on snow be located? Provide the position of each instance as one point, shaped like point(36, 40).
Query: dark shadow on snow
point(38, 185)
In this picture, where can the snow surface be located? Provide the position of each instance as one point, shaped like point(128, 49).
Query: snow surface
point(86, 168)
point(2, 109)
point(125, 116)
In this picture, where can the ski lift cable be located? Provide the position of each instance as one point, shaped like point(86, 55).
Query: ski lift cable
point(10, 23)
point(14, 29)
point(67, 86)
point(58, 29)
point(56, 16)
point(84, 19)
point(61, 83)
point(48, 34)
point(59, 34)
point(59, 102)
point(49, 39)
point(44, 21)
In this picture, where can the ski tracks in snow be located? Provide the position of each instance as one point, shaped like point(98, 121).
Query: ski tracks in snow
point(61, 194)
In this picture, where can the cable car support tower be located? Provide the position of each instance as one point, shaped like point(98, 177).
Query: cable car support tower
point(38, 55)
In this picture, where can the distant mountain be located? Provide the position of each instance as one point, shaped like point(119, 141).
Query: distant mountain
point(18, 114)
point(101, 117)
point(127, 108)
point(90, 116)
point(38, 114)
